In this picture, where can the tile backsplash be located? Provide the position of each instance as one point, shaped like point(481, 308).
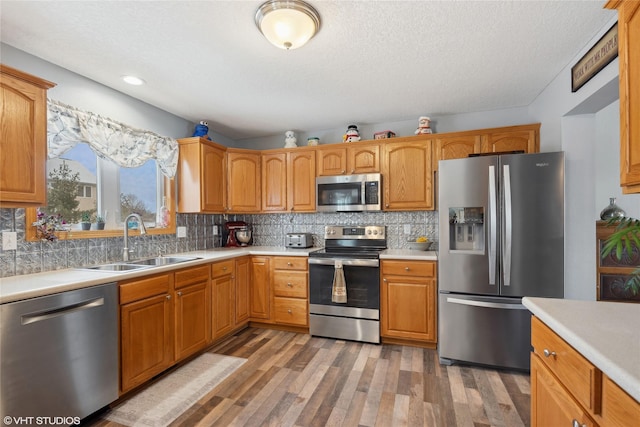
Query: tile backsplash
point(268, 230)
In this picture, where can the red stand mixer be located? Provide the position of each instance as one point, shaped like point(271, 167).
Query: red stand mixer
point(237, 233)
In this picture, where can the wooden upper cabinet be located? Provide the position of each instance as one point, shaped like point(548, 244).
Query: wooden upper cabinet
point(202, 176)
point(363, 158)
point(455, 147)
point(517, 138)
point(408, 178)
point(629, 78)
point(355, 158)
point(244, 180)
point(301, 181)
point(331, 161)
point(274, 182)
point(23, 138)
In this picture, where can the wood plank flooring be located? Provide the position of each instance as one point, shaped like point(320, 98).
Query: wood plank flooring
point(296, 380)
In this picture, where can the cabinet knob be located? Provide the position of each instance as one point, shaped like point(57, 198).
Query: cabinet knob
point(233, 277)
point(384, 280)
point(289, 264)
point(168, 296)
point(342, 171)
point(576, 423)
point(406, 269)
point(353, 171)
point(386, 205)
point(548, 353)
point(224, 268)
point(290, 285)
point(179, 293)
point(289, 311)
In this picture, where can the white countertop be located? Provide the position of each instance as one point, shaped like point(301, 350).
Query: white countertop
point(409, 254)
point(50, 282)
point(605, 333)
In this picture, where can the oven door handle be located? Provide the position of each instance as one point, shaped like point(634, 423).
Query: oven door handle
point(346, 261)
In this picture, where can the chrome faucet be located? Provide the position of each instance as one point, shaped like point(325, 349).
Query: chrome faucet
point(143, 230)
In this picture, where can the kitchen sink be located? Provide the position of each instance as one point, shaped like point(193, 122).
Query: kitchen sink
point(116, 267)
point(162, 260)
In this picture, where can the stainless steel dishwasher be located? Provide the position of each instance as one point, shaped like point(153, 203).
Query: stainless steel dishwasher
point(59, 354)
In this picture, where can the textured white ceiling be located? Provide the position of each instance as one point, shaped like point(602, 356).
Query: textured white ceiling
point(372, 61)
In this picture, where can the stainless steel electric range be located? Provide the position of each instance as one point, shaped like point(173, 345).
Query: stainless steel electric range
point(356, 250)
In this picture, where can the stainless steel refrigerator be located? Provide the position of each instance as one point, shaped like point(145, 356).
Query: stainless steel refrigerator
point(501, 232)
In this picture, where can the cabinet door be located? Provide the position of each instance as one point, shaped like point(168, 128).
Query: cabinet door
point(408, 182)
point(23, 146)
point(274, 182)
point(214, 177)
point(259, 289)
point(408, 308)
point(301, 181)
point(244, 181)
point(456, 147)
point(331, 161)
point(146, 339)
point(551, 403)
point(526, 140)
point(223, 305)
point(363, 159)
point(629, 52)
point(192, 319)
point(243, 272)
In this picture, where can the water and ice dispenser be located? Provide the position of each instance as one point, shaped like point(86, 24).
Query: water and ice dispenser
point(466, 229)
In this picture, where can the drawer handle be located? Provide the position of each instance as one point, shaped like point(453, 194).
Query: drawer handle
point(548, 353)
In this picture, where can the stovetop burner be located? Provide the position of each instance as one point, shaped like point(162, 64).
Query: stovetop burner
point(352, 242)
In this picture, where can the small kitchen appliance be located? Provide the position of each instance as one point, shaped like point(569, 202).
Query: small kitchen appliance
point(349, 193)
point(236, 234)
point(298, 240)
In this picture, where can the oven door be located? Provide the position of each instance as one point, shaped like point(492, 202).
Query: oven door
point(362, 279)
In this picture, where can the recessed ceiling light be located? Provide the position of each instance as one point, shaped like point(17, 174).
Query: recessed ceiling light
point(133, 80)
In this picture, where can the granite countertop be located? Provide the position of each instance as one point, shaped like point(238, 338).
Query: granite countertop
point(605, 333)
point(17, 288)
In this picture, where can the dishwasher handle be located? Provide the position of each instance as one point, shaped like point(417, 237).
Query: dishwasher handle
point(345, 261)
point(61, 311)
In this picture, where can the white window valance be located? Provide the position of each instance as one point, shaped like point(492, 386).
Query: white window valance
point(109, 139)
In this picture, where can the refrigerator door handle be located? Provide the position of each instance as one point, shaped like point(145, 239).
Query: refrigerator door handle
point(492, 225)
point(486, 304)
point(506, 247)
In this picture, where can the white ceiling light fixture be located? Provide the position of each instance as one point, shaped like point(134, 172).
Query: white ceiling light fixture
point(133, 80)
point(287, 24)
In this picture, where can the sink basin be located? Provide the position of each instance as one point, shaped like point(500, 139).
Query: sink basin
point(116, 267)
point(162, 260)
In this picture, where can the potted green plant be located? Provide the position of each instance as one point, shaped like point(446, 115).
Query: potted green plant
point(100, 222)
point(624, 240)
point(85, 221)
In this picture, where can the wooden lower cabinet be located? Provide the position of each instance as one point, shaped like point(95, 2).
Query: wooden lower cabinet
point(192, 311)
point(222, 298)
point(290, 283)
point(260, 289)
point(408, 300)
point(567, 389)
point(146, 329)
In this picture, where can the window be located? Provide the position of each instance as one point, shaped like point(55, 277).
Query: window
point(81, 184)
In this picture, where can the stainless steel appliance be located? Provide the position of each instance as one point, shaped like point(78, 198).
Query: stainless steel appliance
point(236, 233)
point(298, 240)
point(356, 251)
point(501, 222)
point(348, 193)
point(59, 354)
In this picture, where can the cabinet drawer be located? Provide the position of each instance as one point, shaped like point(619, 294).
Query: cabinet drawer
point(190, 276)
point(580, 377)
point(409, 268)
point(290, 284)
point(138, 289)
point(290, 263)
point(223, 268)
point(292, 311)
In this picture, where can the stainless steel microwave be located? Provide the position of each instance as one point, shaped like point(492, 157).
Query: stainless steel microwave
point(349, 193)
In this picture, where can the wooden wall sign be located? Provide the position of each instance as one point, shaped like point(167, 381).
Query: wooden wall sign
point(601, 54)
